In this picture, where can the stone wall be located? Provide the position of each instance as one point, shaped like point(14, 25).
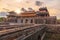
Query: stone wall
point(37, 20)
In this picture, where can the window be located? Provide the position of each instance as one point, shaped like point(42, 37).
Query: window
point(31, 21)
point(21, 20)
point(26, 21)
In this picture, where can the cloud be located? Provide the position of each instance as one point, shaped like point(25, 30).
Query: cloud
point(38, 3)
point(52, 5)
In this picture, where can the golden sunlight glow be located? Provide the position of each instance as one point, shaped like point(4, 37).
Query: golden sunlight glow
point(18, 11)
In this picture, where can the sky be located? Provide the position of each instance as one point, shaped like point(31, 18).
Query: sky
point(52, 5)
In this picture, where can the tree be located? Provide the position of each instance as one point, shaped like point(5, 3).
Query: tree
point(1, 19)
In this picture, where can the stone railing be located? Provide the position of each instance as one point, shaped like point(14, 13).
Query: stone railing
point(19, 32)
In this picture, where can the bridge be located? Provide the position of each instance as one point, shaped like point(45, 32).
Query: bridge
point(35, 32)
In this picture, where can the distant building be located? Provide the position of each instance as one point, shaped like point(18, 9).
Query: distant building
point(3, 14)
point(31, 17)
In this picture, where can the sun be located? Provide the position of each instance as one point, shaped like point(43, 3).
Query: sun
point(18, 11)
